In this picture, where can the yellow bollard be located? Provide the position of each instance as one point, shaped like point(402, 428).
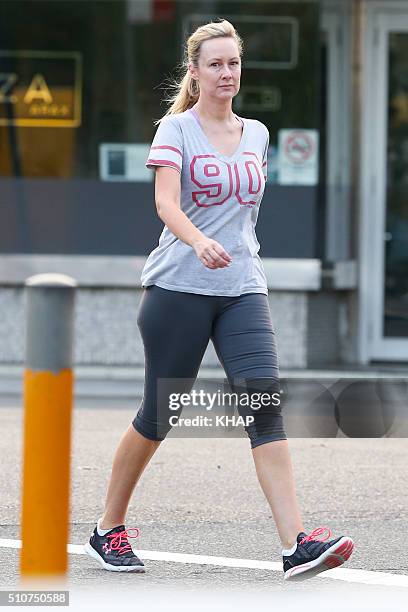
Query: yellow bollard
point(48, 394)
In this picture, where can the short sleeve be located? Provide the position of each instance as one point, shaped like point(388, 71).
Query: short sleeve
point(167, 145)
point(265, 157)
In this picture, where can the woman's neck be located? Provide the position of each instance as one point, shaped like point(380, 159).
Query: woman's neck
point(221, 115)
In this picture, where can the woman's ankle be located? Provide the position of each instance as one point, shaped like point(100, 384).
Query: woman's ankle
point(105, 524)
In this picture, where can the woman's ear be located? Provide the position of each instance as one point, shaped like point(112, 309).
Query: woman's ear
point(192, 72)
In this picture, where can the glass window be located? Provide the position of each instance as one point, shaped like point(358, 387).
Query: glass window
point(83, 82)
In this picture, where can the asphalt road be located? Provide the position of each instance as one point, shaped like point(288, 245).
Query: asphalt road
point(202, 497)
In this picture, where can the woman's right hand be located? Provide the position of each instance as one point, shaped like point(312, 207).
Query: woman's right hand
point(211, 253)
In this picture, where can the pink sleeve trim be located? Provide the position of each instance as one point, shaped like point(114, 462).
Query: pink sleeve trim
point(163, 162)
point(169, 148)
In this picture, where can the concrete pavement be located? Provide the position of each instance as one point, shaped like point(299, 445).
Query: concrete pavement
point(202, 497)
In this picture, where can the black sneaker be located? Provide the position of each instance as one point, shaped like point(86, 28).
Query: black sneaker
point(113, 551)
point(313, 556)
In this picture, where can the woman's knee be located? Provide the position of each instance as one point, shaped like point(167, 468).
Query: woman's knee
point(149, 428)
point(259, 403)
point(272, 433)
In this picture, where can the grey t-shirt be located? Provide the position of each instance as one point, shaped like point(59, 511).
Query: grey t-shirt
point(221, 196)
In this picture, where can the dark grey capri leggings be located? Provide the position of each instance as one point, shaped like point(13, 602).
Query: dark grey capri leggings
point(176, 328)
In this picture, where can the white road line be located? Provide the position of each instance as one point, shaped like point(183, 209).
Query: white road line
point(348, 575)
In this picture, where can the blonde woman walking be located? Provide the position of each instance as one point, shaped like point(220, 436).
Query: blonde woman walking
point(205, 281)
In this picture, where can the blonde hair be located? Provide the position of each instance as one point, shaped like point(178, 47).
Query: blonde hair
point(187, 88)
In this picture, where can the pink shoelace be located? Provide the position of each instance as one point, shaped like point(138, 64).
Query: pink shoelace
point(122, 536)
point(314, 535)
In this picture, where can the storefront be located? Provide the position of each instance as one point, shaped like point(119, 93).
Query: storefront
point(383, 227)
point(82, 83)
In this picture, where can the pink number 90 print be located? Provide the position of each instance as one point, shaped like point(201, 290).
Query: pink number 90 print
point(216, 180)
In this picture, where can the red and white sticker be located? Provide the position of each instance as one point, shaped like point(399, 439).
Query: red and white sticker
point(298, 159)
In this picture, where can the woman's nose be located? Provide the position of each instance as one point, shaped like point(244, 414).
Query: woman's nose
point(226, 71)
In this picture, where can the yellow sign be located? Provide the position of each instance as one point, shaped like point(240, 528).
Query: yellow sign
point(40, 88)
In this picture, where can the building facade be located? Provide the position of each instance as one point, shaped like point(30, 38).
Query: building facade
point(81, 84)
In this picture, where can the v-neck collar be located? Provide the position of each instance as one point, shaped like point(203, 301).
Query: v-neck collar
point(217, 154)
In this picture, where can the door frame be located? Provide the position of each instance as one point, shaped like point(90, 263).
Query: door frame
point(381, 17)
point(335, 22)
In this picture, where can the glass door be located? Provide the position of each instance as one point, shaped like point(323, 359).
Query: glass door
point(389, 205)
point(395, 313)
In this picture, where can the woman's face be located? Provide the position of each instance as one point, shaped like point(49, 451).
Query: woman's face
point(219, 68)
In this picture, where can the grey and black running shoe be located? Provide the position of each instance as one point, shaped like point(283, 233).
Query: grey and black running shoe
point(113, 552)
point(313, 555)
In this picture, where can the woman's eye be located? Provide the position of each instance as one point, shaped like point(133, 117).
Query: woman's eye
point(216, 63)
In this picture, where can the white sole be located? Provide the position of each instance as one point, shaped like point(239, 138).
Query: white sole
point(333, 557)
point(112, 568)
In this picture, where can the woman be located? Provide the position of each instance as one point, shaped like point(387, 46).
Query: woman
point(205, 281)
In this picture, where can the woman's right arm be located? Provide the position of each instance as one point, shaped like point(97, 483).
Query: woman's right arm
point(167, 197)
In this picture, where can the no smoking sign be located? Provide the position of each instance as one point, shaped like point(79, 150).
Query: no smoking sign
point(298, 157)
